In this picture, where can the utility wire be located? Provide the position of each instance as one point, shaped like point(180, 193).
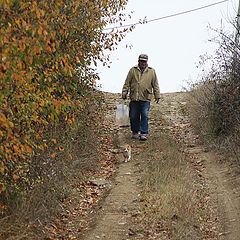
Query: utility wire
point(164, 17)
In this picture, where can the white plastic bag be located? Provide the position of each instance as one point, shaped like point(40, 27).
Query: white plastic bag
point(122, 115)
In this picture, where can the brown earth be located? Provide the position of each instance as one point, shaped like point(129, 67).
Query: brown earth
point(119, 214)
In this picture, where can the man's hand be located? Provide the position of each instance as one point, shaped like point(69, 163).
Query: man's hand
point(157, 100)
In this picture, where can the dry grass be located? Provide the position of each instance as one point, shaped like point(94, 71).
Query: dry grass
point(217, 124)
point(198, 108)
point(30, 214)
point(170, 203)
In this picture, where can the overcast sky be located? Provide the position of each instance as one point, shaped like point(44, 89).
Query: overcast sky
point(172, 44)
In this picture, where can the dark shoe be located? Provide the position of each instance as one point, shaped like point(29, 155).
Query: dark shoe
point(143, 137)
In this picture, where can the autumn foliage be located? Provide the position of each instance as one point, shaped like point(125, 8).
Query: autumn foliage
point(48, 49)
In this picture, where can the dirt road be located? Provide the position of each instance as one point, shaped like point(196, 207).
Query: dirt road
point(218, 182)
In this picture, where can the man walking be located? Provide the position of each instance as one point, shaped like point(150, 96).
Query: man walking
point(141, 83)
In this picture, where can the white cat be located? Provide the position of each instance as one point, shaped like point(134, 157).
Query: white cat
point(127, 151)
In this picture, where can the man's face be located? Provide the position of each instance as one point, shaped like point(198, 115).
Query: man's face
point(142, 64)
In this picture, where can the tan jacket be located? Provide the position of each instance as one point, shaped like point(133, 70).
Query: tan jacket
point(141, 85)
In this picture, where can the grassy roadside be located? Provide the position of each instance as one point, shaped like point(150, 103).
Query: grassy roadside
point(173, 204)
point(64, 196)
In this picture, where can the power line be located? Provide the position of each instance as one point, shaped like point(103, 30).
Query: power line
point(164, 17)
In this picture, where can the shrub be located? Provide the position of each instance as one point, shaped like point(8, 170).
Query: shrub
point(47, 80)
point(215, 101)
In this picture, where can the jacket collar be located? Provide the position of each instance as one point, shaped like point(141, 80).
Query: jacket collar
point(136, 66)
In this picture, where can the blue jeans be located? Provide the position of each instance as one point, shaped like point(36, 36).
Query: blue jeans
point(138, 114)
